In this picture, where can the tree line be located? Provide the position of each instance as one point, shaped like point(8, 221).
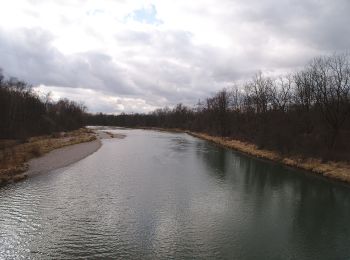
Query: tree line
point(23, 113)
point(302, 113)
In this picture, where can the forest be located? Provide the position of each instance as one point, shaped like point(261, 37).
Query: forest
point(23, 113)
point(302, 113)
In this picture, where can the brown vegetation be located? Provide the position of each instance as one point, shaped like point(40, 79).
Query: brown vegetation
point(14, 154)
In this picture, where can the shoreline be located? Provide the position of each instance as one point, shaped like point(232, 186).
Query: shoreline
point(338, 171)
point(55, 153)
point(68, 155)
point(16, 154)
point(62, 157)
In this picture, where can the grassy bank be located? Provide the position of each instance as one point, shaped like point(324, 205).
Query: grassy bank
point(15, 153)
point(335, 170)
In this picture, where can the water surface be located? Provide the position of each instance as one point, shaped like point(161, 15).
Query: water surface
point(157, 195)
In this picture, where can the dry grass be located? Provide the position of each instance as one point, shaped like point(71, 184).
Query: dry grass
point(14, 155)
point(335, 170)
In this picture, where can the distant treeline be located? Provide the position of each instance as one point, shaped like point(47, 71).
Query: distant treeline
point(24, 114)
point(305, 113)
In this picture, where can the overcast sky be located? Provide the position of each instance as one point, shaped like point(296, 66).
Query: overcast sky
point(135, 56)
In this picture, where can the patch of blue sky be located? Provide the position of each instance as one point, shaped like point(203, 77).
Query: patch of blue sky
point(145, 15)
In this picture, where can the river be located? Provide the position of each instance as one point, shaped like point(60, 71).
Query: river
point(157, 195)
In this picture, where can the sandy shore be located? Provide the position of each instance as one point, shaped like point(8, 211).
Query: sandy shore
point(62, 157)
point(67, 155)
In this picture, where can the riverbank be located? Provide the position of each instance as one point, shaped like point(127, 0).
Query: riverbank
point(67, 155)
point(46, 153)
point(15, 155)
point(339, 171)
point(62, 157)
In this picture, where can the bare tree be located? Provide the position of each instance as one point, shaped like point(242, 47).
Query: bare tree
point(331, 76)
point(237, 98)
point(304, 95)
point(259, 91)
point(281, 92)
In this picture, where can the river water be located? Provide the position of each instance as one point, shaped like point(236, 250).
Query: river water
point(156, 195)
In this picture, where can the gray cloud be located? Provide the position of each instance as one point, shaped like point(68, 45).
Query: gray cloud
point(319, 23)
point(29, 55)
point(161, 65)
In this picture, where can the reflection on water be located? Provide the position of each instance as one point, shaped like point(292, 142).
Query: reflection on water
point(159, 195)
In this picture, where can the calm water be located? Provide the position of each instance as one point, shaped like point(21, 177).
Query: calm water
point(158, 195)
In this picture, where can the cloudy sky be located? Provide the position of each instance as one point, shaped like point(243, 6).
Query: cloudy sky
point(135, 55)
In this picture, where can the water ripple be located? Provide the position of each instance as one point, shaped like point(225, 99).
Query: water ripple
point(171, 196)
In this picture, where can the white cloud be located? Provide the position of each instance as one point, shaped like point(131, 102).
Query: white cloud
point(96, 100)
point(150, 53)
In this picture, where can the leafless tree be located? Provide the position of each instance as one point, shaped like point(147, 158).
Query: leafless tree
point(258, 92)
point(282, 92)
point(331, 78)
